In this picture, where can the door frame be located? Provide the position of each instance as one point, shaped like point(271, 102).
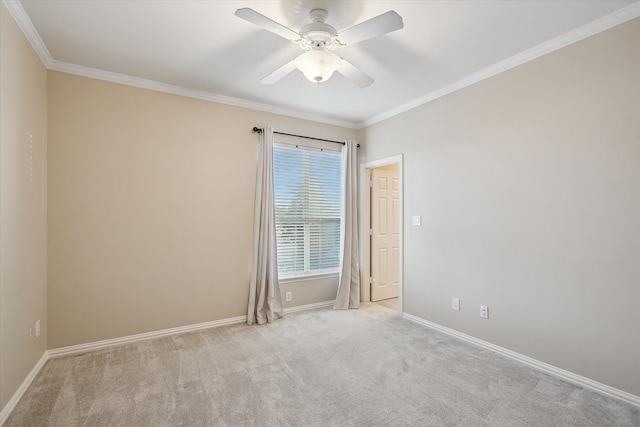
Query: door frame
point(365, 242)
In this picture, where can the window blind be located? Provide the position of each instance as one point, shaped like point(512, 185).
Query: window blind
point(307, 198)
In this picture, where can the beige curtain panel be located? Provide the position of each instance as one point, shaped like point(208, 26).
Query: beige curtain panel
point(349, 286)
point(265, 304)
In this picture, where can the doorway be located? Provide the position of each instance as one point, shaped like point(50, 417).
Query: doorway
point(382, 209)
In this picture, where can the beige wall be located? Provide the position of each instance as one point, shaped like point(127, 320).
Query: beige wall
point(23, 263)
point(528, 184)
point(151, 209)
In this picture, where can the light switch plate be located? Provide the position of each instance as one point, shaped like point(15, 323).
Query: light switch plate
point(417, 220)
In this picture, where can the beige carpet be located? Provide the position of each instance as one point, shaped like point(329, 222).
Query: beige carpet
point(392, 303)
point(366, 367)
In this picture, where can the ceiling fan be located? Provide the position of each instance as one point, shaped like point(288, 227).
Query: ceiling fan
point(319, 40)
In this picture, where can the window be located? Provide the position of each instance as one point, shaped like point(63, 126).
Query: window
point(307, 197)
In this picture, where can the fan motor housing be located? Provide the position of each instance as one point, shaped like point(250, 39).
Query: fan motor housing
point(318, 35)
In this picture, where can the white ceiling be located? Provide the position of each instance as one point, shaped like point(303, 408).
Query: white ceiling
point(199, 48)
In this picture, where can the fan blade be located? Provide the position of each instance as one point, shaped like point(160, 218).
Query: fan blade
point(381, 24)
point(354, 74)
point(279, 73)
point(268, 24)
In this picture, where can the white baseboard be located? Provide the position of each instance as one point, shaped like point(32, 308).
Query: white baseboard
point(81, 348)
point(307, 306)
point(11, 404)
point(545, 367)
point(64, 351)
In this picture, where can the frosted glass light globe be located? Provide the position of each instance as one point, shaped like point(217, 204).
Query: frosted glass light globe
point(317, 65)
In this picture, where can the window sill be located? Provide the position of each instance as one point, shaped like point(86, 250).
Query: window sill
point(307, 277)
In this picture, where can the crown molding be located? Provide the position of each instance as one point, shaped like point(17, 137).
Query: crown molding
point(109, 76)
point(24, 22)
point(608, 21)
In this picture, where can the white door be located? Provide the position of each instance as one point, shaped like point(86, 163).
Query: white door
point(385, 233)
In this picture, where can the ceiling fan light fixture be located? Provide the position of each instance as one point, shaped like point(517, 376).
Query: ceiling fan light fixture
point(319, 39)
point(317, 65)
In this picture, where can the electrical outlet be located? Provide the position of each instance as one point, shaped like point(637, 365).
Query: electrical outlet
point(455, 304)
point(484, 311)
point(288, 296)
point(37, 328)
